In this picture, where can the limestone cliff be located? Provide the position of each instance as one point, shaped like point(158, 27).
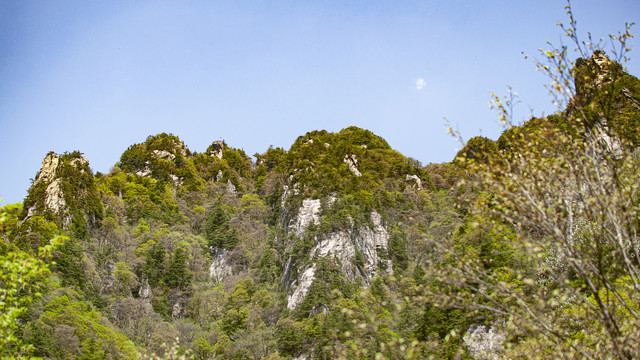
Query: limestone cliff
point(63, 190)
point(360, 251)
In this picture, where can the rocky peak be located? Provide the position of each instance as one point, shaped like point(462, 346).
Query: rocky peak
point(64, 188)
point(216, 149)
point(48, 168)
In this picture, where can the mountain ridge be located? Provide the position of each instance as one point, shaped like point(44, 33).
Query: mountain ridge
point(334, 248)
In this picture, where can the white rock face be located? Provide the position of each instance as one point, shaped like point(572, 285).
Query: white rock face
point(177, 182)
point(176, 310)
point(342, 245)
point(218, 149)
point(416, 179)
point(164, 155)
point(613, 144)
point(309, 212)
point(54, 197)
point(48, 168)
point(220, 268)
point(337, 245)
point(47, 173)
point(145, 290)
point(146, 172)
point(80, 160)
point(352, 163)
point(369, 241)
point(231, 189)
point(301, 288)
point(483, 342)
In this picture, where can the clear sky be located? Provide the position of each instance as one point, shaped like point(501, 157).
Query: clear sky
point(98, 76)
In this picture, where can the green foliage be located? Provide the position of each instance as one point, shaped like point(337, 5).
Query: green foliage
point(68, 327)
point(398, 249)
point(478, 148)
point(10, 218)
point(289, 336)
point(329, 284)
point(72, 182)
point(491, 250)
point(22, 277)
point(554, 219)
point(34, 233)
point(68, 263)
point(217, 231)
point(177, 274)
point(437, 326)
point(155, 264)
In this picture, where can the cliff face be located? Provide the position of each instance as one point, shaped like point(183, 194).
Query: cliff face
point(321, 193)
point(64, 189)
point(361, 252)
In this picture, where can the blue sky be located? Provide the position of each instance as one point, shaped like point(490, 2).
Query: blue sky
point(98, 76)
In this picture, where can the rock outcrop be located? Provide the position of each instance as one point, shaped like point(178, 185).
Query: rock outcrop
point(216, 149)
point(357, 250)
point(352, 163)
point(64, 188)
point(484, 342)
point(307, 214)
point(220, 267)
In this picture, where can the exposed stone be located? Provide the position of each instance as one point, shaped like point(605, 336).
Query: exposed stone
point(220, 267)
point(231, 189)
point(327, 145)
point(370, 242)
point(352, 163)
point(54, 197)
point(342, 245)
point(219, 175)
point(416, 179)
point(145, 289)
point(309, 212)
point(176, 310)
point(48, 168)
point(483, 342)
point(146, 172)
point(217, 149)
point(603, 72)
point(613, 144)
point(177, 182)
point(164, 155)
point(301, 287)
point(79, 160)
point(63, 181)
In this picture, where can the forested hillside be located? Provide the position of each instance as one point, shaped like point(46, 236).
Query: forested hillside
point(340, 246)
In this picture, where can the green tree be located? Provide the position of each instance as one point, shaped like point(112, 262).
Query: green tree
point(22, 278)
point(68, 327)
point(178, 274)
point(155, 263)
point(563, 199)
point(217, 231)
